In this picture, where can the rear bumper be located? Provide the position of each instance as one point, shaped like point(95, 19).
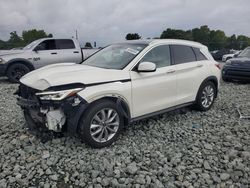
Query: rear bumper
point(3, 68)
point(236, 73)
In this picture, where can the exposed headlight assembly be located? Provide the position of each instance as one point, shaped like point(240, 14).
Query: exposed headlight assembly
point(2, 61)
point(58, 95)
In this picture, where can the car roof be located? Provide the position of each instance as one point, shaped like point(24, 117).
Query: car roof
point(167, 41)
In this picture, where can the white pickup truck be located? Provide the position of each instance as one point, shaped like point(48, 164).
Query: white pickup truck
point(16, 63)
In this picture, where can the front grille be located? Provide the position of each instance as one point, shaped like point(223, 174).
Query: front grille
point(241, 73)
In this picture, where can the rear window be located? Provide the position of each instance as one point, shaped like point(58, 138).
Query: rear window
point(65, 44)
point(183, 54)
point(199, 55)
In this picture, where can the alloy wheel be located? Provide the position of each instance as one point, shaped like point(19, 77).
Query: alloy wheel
point(104, 125)
point(207, 97)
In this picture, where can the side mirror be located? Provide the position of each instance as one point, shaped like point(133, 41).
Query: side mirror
point(146, 67)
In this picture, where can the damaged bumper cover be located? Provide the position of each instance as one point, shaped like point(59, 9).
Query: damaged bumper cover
point(54, 115)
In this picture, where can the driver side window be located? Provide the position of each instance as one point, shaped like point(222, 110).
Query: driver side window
point(159, 55)
point(47, 45)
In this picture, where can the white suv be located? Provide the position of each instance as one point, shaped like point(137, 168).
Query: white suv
point(120, 84)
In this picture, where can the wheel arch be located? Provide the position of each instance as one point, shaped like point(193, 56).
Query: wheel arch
point(21, 61)
point(119, 101)
point(212, 79)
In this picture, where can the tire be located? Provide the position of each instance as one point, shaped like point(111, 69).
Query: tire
point(207, 92)
point(101, 124)
point(16, 71)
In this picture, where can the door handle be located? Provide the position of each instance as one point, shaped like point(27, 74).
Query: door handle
point(76, 52)
point(170, 71)
point(199, 65)
point(53, 53)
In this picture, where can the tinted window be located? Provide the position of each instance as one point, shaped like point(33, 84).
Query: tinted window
point(159, 55)
point(47, 45)
point(65, 44)
point(199, 54)
point(183, 54)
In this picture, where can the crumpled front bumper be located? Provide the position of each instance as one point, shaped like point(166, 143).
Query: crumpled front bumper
point(73, 112)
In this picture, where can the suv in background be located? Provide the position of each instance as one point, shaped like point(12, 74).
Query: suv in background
point(120, 84)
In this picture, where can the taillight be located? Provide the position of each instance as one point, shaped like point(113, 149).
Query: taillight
point(217, 65)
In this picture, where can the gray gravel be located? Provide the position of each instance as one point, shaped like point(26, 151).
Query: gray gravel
point(183, 148)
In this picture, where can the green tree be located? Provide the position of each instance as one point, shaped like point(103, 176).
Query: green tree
point(133, 36)
point(176, 34)
point(243, 41)
point(232, 42)
point(201, 35)
point(31, 35)
point(218, 40)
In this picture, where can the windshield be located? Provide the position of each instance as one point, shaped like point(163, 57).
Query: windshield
point(245, 53)
point(31, 45)
point(115, 56)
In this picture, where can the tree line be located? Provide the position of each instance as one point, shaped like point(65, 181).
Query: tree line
point(213, 39)
point(16, 41)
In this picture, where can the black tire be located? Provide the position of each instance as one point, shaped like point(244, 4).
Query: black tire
point(88, 117)
point(16, 71)
point(199, 105)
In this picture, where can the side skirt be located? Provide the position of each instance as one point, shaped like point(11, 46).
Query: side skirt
point(160, 112)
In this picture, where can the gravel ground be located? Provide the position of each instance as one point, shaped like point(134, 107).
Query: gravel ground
point(183, 148)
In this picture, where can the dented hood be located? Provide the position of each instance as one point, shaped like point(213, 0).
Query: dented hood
point(67, 73)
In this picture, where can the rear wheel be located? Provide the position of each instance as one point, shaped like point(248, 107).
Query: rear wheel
point(206, 96)
point(101, 124)
point(16, 71)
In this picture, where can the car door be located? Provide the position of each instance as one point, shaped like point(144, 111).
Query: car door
point(188, 73)
point(154, 91)
point(67, 51)
point(46, 53)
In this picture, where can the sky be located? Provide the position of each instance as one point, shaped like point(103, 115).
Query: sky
point(108, 21)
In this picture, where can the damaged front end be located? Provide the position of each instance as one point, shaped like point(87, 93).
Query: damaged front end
point(55, 110)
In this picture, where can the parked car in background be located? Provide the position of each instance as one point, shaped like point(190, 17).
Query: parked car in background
point(217, 55)
point(121, 83)
point(233, 53)
point(16, 63)
point(238, 68)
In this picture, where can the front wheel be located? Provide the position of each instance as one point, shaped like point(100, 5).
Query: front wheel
point(101, 124)
point(16, 71)
point(206, 96)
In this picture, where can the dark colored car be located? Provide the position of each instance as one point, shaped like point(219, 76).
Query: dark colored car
point(238, 68)
point(218, 54)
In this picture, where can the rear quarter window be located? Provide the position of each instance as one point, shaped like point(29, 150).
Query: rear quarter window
point(199, 55)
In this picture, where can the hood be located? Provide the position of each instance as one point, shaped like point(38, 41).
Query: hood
point(240, 61)
point(11, 52)
point(68, 73)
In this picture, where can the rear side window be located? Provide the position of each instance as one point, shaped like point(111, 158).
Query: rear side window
point(199, 55)
point(182, 54)
point(159, 55)
point(65, 44)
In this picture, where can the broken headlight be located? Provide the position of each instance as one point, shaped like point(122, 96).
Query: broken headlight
point(58, 95)
point(2, 61)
